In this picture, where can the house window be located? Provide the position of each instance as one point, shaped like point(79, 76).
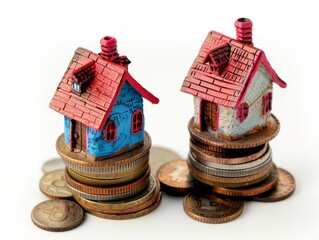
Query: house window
point(110, 131)
point(137, 121)
point(76, 86)
point(242, 112)
point(267, 103)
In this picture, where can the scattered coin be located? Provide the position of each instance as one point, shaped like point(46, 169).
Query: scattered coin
point(285, 187)
point(52, 165)
point(53, 185)
point(160, 156)
point(57, 215)
point(209, 208)
point(175, 177)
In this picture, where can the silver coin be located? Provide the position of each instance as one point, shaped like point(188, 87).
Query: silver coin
point(241, 166)
point(161, 155)
point(52, 165)
point(105, 197)
point(228, 173)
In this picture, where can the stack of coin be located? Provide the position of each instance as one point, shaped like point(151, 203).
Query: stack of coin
point(118, 187)
point(242, 167)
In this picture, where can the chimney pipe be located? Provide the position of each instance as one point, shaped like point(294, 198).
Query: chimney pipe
point(109, 48)
point(244, 30)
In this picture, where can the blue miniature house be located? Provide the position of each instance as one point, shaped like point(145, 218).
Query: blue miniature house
point(101, 102)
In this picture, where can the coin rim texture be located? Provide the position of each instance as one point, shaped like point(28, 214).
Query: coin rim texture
point(252, 140)
point(273, 195)
point(267, 161)
point(172, 186)
point(237, 207)
point(152, 189)
point(44, 224)
point(57, 174)
point(252, 190)
point(125, 161)
point(128, 215)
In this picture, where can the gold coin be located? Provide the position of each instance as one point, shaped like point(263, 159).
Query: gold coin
point(53, 185)
point(57, 215)
point(52, 165)
point(175, 177)
point(209, 208)
point(161, 155)
point(126, 205)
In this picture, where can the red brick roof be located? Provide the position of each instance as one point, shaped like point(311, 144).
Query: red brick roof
point(229, 87)
point(93, 106)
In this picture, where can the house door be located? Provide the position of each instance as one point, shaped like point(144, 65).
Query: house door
point(209, 116)
point(78, 133)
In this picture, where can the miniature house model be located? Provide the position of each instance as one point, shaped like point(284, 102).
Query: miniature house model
point(101, 102)
point(232, 84)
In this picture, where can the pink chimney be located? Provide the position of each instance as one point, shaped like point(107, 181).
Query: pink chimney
point(244, 30)
point(109, 48)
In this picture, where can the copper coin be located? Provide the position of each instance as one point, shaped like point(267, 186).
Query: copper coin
point(161, 155)
point(252, 140)
point(140, 183)
point(285, 187)
point(53, 185)
point(57, 215)
point(175, 177)
point(204, 155)
point(128, 215)
point(229, 182)
point(264, 186)
point(52, 165)
point(126, 205)
point(209, 208)
point(117, 164)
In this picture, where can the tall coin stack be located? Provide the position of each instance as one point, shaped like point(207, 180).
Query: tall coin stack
point(104, 145)
point(233, 167)
point(232, 85)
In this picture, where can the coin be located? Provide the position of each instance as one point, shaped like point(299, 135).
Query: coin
point(159, 156)
point(266, 162)
point(209, 208)
point(117, 164)
point(140, 183)
point(128, 215)
point(285, 187)
point(228, 182)
point(175, 178)
point(127, 205)
point(53, 185)
point(264, 186)
point(57, 215)
point(52, 165)
point(210, 142)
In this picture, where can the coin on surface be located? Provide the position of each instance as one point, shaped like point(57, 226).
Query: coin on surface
point(210, 208)
point(285, 187)
point(53, 185)
point(52, 165)
point(159, 156)
point(175, 177)
point(57, 215)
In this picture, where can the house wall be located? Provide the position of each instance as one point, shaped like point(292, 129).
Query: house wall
point(128, 101)
point(260, 85)
point(197, 105)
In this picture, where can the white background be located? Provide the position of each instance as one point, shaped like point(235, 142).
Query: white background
point(162, 38)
